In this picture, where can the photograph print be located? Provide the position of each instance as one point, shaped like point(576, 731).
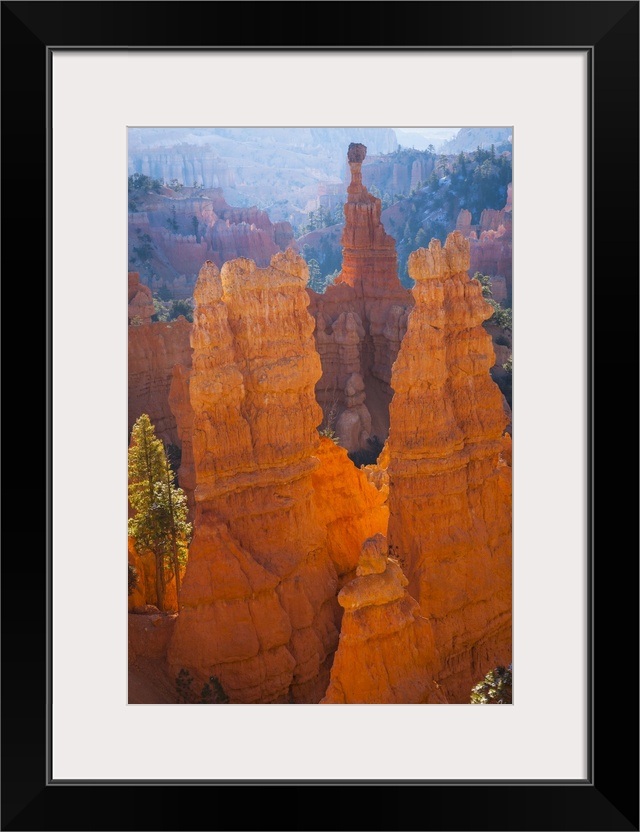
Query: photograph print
point(320, 415)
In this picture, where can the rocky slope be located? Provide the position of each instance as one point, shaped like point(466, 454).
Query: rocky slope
point(449, 488)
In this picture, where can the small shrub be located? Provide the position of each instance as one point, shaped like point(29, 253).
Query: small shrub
point(329, 426)
point(329, 433)
point(501, 317)
point(218, 694)
point(485, 282)
point(495, 688)
point(212, 692)
point(184, 682)
point(180, 307)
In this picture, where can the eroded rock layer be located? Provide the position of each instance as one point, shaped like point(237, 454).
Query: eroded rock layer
point(175, 233)
point(154, 350)
point(385, 651)
point(449, 490)
point(360, 321)
point(258, 602)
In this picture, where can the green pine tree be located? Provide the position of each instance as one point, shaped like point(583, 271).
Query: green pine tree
point(315, 275)
point(485, 282)
point(159, 524)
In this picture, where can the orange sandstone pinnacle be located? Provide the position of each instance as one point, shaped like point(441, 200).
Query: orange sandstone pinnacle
point(386, 648)
point(258, 602)
point(449, 489)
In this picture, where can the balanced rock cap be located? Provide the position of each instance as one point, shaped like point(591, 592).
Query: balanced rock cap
point(356, 152)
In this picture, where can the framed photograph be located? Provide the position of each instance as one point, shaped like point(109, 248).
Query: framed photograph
point(564, 78)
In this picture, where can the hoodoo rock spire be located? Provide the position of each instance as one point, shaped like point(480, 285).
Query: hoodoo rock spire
point(369, 291)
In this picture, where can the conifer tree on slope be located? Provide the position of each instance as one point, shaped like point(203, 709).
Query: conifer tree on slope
point(159, 524)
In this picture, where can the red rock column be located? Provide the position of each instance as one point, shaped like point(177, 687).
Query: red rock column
point(258, 602)
point(449, 490)
point(367, 286)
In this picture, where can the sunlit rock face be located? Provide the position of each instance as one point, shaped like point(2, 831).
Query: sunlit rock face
point(258, 607)
point(449, 484)
point(385, 652)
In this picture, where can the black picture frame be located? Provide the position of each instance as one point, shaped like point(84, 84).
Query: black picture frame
point(608, 798)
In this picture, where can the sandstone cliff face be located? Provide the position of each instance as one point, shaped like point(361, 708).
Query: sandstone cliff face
point(360, 320)
point(347, 505)
point(449, 490)
point(385, 652)
point(148, 636)
point(258, 602)
point(154, 350)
